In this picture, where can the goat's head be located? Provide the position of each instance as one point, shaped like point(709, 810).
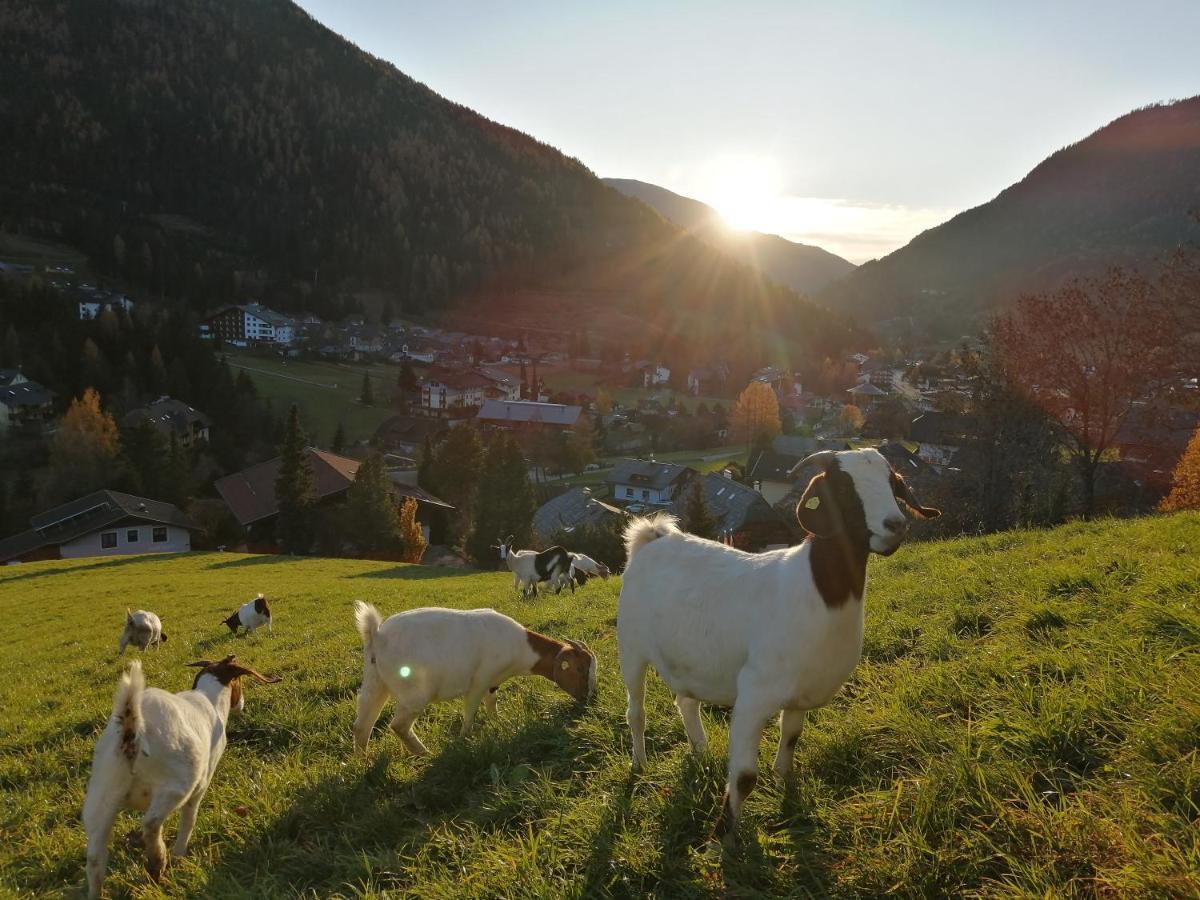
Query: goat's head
point(857, 495)
point(229, 672)
point(503, 546)
point(575, 670)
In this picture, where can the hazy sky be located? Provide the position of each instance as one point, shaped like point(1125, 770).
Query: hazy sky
point(853, 126)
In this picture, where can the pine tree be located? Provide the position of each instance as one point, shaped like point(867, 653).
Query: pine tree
point(412, 538)
point(456, 467)
point(406, 385)
point(504, 502)
point(366, 398)
point(425, 465)
point(339, 439)
point(145, 455)
point(698, 518)
point(1185, 482)
point(371, 518)
point(294, 489)
point(177, 485)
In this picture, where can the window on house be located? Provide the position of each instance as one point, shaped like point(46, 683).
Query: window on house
point(160, 534)
point(628, 492)
point(131, 536)
point(645, 495)
point(108, 540)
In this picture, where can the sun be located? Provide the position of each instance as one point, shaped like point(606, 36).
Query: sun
point(745, 191)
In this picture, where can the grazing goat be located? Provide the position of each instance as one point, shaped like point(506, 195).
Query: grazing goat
point(252, 615)
point(531, 567)
point(764, 633)
point(142, 629)
point(582, 568)
point(157, 754)
point(424, 655)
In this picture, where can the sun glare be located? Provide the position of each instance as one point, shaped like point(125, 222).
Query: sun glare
point(745, 191)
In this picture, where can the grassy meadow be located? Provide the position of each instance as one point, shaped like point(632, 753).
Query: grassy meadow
point(1025, 722)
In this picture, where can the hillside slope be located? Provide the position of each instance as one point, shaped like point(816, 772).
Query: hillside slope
point(802, 267)
point(214, 148)
point(1122, 195)
point(1024, 722)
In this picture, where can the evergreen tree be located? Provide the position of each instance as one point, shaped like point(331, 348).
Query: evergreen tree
point(406, 385)
point(371, 518)
point(339, 439)
point(366, 398)
point(145, 455)
point(504, 502)
point(177, 486)
point(294, 489)
point(698, 518)
point(455, 472)
point(425, 465)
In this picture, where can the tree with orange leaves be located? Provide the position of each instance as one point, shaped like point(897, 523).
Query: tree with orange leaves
point(1087, 354)
point(1185, 482)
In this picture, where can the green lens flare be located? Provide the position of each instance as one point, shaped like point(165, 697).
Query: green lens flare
point(405, 671)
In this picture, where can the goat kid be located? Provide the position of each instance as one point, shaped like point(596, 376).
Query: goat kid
point(142, 629)
point(582, 568)
point(532, 567)
point(251, 615)
point(158, 754)
point(424, 655)
point(776, 632)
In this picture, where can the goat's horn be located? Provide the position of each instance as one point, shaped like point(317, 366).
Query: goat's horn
point(822, 458)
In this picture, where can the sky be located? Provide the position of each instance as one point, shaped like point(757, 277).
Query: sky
point(852, 126)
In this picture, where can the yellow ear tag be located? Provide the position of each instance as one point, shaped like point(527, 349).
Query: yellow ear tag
point(565, 664)
point(813, 503)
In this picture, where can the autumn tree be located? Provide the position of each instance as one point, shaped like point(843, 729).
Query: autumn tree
point(85, 452)
point(851, 419)
point(698, 517)
point(1087, 353)
point(412, 538)
point(1185, 482)
point(756, 414)
point(294, 489)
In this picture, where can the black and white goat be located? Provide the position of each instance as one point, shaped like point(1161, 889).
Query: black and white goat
point(776, 632)
point(532, 567)
point(142, 629)
point(251, 615)
point(158, 754)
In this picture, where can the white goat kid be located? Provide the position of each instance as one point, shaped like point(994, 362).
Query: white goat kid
point(158, 754)
point(424, 655)
point(142, 629)
point(763, 633)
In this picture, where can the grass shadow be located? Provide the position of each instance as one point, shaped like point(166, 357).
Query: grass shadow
point(130, 560)
point(598, 868)
point(420, 573)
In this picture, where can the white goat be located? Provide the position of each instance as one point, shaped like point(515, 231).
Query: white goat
point(582, 568)
point(251, 615)
point(157, 754)
point(424, 655)
point(777, 631)
point(531, 567)
point(142, 629)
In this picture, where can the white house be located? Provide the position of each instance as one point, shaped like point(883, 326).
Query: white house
point(646, 482)
point(91, 308)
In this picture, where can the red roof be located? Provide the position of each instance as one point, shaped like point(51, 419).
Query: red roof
point(250, 493)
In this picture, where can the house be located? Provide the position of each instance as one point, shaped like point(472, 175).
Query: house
point(504, 386)
point(707, 379)
point(171, 417)
point(250, 494)
point(97, 302)
point(527, 415)
point(24, 404)
point(573, 509)
point(407, 434)
point(103, 523)
point(249, 324)
point(654, 374)
point(744, 517)
point(939, 435)
point(866, 396)
point(444, 389)
point(646, 482)
point(769, 473)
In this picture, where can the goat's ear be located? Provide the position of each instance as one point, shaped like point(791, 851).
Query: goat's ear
point(200, 664)
point(905, 495)
point(162, 636)
point(816, 511)
point(257, 676)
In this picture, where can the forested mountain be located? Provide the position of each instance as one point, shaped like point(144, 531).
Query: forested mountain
point(213, 148)
point(801, 267)
point(1123, 195)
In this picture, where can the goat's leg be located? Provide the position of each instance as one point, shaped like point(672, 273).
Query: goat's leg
point(187, 821)
point(98, 818)
point(635, 711)
point(470, 707)
point(745, 735)
point(372, 697)
point(489, 702)
point(689, 711)
point(161, 806)
point(402, 723)
point(791, 723)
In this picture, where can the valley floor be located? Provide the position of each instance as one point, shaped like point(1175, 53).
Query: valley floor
point(1025, 721)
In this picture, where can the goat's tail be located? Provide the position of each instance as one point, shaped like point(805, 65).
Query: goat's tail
point(127, 709)
point(640, 532)
point(368, 619)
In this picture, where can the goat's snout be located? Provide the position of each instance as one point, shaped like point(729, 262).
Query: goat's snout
point(896, 526)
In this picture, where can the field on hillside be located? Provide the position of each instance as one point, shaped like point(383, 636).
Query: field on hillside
point(1025, 721)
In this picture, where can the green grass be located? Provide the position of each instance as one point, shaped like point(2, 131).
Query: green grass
point(1025, 722)
point(325, 392)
